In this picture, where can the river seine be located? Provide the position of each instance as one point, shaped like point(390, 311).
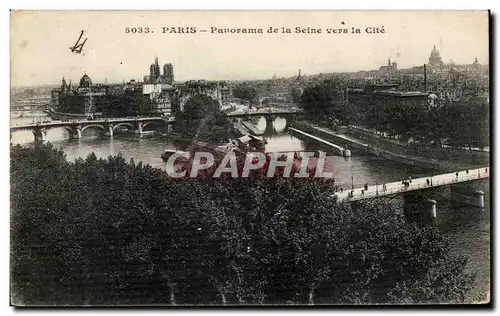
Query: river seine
point(467, 228)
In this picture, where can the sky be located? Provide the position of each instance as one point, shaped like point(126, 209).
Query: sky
point(40, 42)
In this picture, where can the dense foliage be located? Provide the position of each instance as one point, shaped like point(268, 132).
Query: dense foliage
point(202, 119)
point(327, 100)
point(106, 232)
point(464, 123)
point(245, 93)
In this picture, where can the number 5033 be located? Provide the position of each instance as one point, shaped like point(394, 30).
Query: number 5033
point(138, 30)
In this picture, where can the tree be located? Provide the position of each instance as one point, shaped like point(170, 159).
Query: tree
point(325, 100)
point(105, 231)
point(245, 93)
point(202, 119)
point(296, 94)
point(467, 123)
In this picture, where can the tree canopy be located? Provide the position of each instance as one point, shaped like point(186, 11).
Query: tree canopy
point(326, 100)
point(107, 231)
point(201, 118)
point(463, 123)
point(245, 92)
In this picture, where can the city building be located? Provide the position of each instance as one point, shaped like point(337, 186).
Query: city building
point(437, 66)
point(383, 95)
point(389, 70)
point(155, 77)
point(83, 100)
point(435, 60)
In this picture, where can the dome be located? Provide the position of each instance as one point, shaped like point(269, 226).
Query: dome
point(435, 58)
point(85, 82)
point(435, 53)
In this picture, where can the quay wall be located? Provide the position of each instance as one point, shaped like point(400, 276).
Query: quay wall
point(458, 155)
point(366, 147)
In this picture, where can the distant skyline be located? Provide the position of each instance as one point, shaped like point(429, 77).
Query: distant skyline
point(40, 42)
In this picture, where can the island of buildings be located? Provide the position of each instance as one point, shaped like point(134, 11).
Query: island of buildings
point(432, 84)
point(157, 94)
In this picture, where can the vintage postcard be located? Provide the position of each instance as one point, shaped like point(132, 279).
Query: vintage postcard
point(249, 158)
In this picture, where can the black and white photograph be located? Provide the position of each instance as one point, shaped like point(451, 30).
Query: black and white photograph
point(249, 158)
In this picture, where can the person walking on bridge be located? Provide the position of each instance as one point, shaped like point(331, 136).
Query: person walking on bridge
point(456, 174)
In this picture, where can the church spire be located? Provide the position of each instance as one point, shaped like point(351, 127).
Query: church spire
point(63, 85)
point(157, 67)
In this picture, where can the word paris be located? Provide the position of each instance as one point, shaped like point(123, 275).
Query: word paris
point(253, 161)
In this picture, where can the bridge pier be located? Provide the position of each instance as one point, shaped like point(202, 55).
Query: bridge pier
point(269, 125)
point(418, 207)
point(40, 135)
point(138, 129)
point(464, 194)
point(75, 133)
point(288, 123)
point(108, 130)
point(431, 208)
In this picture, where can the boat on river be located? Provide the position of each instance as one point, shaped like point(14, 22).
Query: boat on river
point(251, 143)
point(169, 152)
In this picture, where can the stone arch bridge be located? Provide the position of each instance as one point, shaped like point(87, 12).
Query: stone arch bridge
point(269, 116)
point(75, 128)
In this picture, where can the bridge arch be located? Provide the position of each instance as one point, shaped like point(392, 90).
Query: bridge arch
point(281, 123)
point(130, 125)
point(59, 132)
point(19, 136)
point(93, 125)
point(144, 124)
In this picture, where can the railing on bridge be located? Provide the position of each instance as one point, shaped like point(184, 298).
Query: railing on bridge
point(85, 121)
point(379, 191)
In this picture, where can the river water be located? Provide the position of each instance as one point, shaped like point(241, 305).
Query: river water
point(467, 228)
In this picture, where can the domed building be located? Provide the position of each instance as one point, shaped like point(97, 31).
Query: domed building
point(85, 81)
point(435, 58)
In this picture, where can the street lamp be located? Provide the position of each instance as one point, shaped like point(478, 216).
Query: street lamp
point(352, 182)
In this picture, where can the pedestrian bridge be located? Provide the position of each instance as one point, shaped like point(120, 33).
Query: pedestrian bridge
point(76, 127)
point(394, 188)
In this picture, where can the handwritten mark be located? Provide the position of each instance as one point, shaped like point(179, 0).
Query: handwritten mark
point(77, 48)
